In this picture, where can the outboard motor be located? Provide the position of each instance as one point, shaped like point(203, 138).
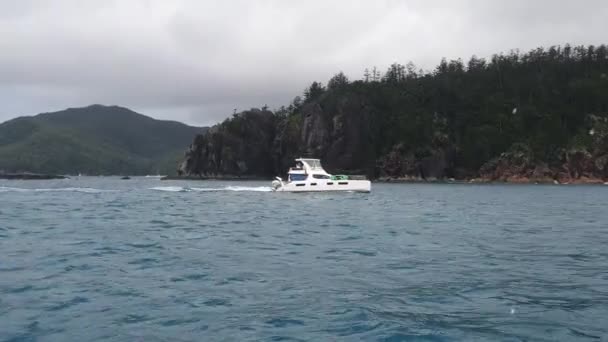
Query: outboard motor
point(277, 183)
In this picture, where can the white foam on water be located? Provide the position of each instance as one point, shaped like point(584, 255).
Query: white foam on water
point(83, 190)
point(170, 188)
point(9, 189)
point(249, 188)
point(207, 189)
point(228, 188)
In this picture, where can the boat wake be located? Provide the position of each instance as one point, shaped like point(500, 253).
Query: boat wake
point(83, 190)
point(228, 188)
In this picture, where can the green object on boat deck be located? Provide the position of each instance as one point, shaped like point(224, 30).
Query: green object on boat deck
point(339, 177)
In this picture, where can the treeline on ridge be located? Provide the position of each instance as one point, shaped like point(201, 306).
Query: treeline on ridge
point(540, 114)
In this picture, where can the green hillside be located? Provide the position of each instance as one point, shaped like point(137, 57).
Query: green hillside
point(94, 140)
point(535, 116)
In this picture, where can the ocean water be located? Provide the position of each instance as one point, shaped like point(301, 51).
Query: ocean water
point(103, 259)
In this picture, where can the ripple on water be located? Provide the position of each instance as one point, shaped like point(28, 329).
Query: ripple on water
point(353, 322)
point(143, 261)
point(132, 319)
point(364, 253)
point(20, 289)
point(283, 322)
point(217, 302)
point(182, 322)
point(153, 245)
point(68, 304)
point(190, 277)
point(161, 223)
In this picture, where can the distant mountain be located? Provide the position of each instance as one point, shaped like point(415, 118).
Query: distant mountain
point(94, 140)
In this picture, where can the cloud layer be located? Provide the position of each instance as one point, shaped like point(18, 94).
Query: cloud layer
point(195, 61)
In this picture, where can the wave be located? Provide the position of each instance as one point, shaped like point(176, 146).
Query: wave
point(249, 188)
point(170, 188)
point(228, 188)
point(83, 190)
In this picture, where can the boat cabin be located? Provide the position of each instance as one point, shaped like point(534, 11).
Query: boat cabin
point(306, 168)
point(308, 175)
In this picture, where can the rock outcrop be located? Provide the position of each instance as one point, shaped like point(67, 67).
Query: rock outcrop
point(259, 143)
point(339, 132)
point(424, 164)
point(240, 146)
point(585, 162)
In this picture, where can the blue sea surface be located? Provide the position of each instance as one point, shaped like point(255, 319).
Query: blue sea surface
point(104, 259)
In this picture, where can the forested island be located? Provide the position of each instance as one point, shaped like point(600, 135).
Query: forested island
point(539, 116)
point(92, 140)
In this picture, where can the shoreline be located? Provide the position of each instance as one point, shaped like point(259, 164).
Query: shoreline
point(381, 180)
point(520, 181)
point(412, 180)
point(31, 176)
point(216, 178)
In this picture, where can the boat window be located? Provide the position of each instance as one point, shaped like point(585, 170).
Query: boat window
point(297, 177)
point(301, 184)
point(321, 176)
point(330, 183)
point(343, 183)
point(312, 184)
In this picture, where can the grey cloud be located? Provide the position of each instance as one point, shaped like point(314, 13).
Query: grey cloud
point(197, 60)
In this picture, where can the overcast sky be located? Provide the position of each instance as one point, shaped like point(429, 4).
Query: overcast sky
point(195, 61)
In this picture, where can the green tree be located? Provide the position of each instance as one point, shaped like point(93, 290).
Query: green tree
point(339, 80)
point(315, 90)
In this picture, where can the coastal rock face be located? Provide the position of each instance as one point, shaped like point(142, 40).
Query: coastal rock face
point(260, 143)
point(338, 130)
point(427, 164)
point(339, 133)
point(241, 146)
point(518, 165)
point(582, 166)
point(587, 160)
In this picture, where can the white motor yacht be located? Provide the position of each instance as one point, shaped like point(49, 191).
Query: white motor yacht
point(309, 175)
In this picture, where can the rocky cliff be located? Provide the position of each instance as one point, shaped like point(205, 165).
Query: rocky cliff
point(241, 146)
point(340, 131)
point(584, 161)
point(343, 132)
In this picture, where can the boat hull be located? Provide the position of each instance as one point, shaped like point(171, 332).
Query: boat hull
point(325, 185)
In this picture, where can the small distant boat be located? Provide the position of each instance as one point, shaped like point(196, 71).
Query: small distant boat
point(308, 175)
point(125, 177)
